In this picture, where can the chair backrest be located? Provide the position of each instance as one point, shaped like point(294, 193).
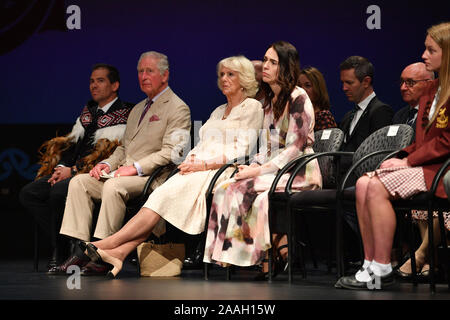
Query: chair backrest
point(392, 137)
point(328, 140)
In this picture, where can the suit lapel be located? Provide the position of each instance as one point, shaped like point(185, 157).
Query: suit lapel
point(116, 105)
point(345, 123)
point(361, 119)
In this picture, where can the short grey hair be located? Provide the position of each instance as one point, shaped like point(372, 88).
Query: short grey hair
point(163, 61)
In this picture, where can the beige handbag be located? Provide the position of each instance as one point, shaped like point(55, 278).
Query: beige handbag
point(160, 260)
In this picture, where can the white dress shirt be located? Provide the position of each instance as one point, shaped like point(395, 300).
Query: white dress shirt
point(362, 106)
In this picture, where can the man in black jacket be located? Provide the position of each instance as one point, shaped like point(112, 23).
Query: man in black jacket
point(102, 122)
point(367, 116)
point(369, 113)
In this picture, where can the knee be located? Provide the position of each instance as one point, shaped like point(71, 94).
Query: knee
point(113, 187)
point(31, 193)
point(58, 193)
point(376, 191)
point(77, 181)
point(361, 188)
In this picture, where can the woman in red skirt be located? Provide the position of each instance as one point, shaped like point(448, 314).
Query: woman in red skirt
point(403, 177)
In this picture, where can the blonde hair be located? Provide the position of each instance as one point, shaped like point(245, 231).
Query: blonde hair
point(246, 71)
point(440, 33)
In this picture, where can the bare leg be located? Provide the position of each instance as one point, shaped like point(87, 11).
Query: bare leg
point(422, 252)
point(364, 217)
point(383, 220)
point(134, 232)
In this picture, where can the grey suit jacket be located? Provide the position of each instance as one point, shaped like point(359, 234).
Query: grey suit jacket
point(151, 142)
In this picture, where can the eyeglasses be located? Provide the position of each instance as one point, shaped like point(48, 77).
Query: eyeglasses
point(410, 82)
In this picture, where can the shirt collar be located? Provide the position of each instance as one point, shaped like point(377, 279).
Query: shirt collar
point(106, 107)
point(159, 94)
point(363, 104)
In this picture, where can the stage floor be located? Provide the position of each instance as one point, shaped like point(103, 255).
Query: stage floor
point(18, 281)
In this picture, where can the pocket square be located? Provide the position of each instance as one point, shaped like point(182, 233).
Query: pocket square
point(153, 118)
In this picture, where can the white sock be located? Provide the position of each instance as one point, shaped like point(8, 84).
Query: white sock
point(363, 276)
point(380, 269)
point(365, 265)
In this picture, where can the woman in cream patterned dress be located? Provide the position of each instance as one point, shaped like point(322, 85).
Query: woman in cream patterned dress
point(238, 229)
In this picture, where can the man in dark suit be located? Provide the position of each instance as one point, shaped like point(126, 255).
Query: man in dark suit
point(413, 82)
point(369, 113)
point(97, 131)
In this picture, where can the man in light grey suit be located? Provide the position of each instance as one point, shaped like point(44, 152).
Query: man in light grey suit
point(148, 143)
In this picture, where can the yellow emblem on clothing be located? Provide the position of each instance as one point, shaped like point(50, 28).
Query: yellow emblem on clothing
point(442, 119)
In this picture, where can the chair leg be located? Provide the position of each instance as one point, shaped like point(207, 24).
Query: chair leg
point(339, 243)
point(332, 236)
point(270, 263)
point(445, 250)
point(302, 259)
point(36, 247)
point(138, 265)
point(309, 244)
point(290, 240)
point(301, 246)
point(206, 271)
point(431, 247)
point(412, 252)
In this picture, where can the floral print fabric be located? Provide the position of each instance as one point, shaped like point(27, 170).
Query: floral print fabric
point(238, 229)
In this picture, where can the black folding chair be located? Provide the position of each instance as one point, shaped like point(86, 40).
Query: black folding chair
point(337, 197)
point(281, 219)
point(429, 202)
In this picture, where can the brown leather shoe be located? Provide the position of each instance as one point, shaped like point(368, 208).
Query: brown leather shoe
point(71, 261)
point(95, 269)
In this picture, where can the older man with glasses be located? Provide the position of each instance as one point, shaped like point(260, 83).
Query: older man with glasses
point(412, 84)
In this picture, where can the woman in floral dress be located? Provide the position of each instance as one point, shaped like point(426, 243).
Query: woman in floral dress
point(238, 229)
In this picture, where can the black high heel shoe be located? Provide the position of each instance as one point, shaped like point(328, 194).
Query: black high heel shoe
point(263, 276)
point(101, 257)
point(280, 265)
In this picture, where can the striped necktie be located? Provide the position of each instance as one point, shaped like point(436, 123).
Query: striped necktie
point(147, 106)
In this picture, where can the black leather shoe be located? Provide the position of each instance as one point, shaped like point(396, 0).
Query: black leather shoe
point(378, 283)
point(95, 269)
point(403, 275)
point(54, 260)
point(194, 261)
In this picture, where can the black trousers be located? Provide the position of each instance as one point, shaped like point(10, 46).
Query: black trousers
point(46, 204)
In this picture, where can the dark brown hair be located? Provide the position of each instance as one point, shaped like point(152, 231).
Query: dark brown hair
point(288, 74)
point(319, 87)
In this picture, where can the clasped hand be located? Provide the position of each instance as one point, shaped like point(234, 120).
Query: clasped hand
point(246, 172)
point(59, 174)
point(191, 164)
